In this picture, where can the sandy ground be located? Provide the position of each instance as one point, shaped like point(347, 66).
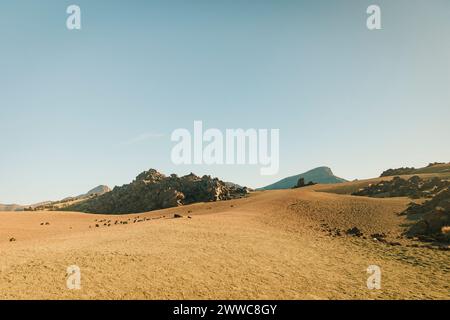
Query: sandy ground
point(272, 245)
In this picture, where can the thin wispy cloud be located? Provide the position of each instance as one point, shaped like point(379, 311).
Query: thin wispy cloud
point(142, 138)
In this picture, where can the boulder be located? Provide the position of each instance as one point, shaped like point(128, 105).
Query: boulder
point(354, 232)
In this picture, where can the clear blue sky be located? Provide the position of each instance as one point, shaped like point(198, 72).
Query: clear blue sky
point(97, 106)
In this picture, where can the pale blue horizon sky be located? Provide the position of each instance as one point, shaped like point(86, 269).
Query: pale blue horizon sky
point(97, 106)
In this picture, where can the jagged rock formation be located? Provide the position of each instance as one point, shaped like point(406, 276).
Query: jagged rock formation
point(414, 187)
point(152, 190)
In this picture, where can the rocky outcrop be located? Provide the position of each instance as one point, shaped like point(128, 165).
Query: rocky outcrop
point(397, 172)
point(433, 167)
point(152, 190)
point(301, 183)
point(432, 216)
point(435, 219)
point(414, 187)
point(432, 164)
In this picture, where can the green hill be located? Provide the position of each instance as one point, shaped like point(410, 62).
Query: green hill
point(317, 175)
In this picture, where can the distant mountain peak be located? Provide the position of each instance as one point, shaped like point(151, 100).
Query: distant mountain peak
point(318, 175)
point(323, 169)
point(101, 189)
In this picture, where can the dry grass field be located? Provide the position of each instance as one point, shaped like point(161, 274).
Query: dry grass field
point(271, 245)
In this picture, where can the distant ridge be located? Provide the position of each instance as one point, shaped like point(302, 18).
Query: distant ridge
point(434, 167)
point(318, 175)
point(11, 207)
point(55, 205)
